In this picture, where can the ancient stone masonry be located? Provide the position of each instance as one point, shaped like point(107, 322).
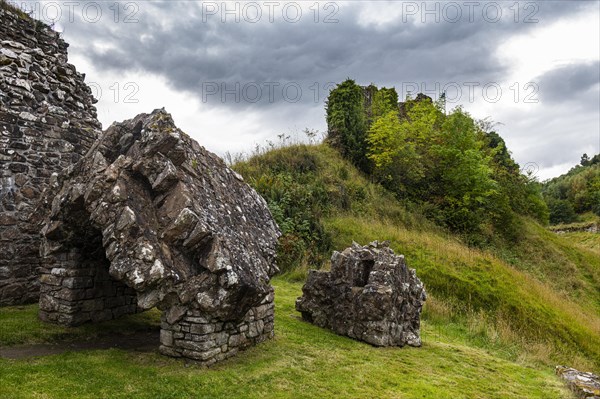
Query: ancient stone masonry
point(584, 385)
point(369, 294)
point(47, 122)
point(150, 218)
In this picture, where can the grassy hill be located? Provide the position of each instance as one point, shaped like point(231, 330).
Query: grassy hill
point(540, 296)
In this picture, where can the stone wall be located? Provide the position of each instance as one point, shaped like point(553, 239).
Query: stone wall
point(370, 294)
point(208, 341)
point(79, 289)
point(584, 385)
point(47, 122)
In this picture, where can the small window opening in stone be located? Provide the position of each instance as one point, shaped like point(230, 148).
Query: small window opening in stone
point(363, 277)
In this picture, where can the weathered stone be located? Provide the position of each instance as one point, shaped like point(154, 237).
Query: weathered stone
point(109, 215)
point(33, 145)
point(202, 329)
point(166, 338)
point(369, 294)
point(584, 385)
point(147, 218)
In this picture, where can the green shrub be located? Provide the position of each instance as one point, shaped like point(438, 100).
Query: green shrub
point(561, 211)
point(580, 188)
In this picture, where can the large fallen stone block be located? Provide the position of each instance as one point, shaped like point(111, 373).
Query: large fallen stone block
point(369, 294)
point(148, 218)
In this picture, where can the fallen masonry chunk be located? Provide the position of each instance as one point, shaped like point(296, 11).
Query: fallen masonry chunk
point(584, 385)
point(149, 218)
point(369, 294)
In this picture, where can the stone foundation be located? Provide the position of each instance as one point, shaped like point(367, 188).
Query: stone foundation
point(207, 341)
point(79, 289)
point(370, 295)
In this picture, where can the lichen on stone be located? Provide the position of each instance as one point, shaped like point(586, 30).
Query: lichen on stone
point(167, 235)
point(369, 295)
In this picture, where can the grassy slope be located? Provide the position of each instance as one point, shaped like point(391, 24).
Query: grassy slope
point(542, 295)
point(590, 241)
point(511, 307)
point(569, 263)
point(302, 362)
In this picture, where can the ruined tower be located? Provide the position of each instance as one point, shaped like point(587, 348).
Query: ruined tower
point(47, 122)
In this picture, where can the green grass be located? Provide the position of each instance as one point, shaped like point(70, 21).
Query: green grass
point(562, 261)
point(347, 190)
point(20, 325)
point(496, 322)
point(588, 221)
point(303, 361)
point(590, 241)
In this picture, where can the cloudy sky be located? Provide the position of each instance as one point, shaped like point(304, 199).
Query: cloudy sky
point(237, 74)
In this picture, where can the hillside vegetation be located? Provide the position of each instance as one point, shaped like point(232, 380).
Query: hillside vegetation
point(575, 196)
point(445, 191)
point(508, 299)
point(456, 169)
point(540, 296)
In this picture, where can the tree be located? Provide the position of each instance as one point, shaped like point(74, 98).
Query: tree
point(585, 160)
point(580, 188)
point(520, 193)
point(398, 146)
point(561, 211)
point(396, 163)
point(346, 122)
point(384, 101)
point(384, 140)
point(463, 175)
point(457, 170)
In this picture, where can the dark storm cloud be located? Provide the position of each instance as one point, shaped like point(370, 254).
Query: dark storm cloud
point(575, 82)
point(202, 57)
point(170, 40)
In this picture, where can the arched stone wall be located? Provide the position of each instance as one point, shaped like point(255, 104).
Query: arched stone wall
point(149, 214)
point(76, 286)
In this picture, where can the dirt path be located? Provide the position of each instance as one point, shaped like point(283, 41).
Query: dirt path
point(143, 341)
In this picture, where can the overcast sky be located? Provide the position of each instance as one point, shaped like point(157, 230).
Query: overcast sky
point(237, 74)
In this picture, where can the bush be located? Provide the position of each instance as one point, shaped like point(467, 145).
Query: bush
point(561, 211)
point(580, 187)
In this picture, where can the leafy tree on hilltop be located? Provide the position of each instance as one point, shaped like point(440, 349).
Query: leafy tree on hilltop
point(456, 169)
point(462, 177)
point(384, 101)
point(346, 122)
